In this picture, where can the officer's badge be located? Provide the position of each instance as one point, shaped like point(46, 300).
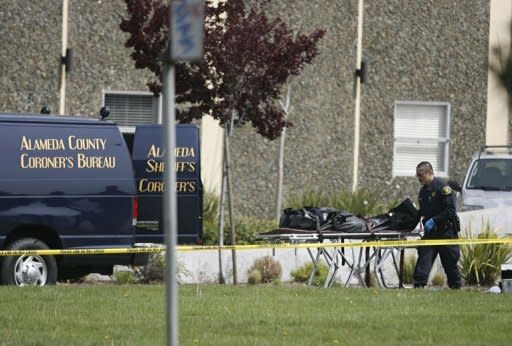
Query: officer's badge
point(447, 190)
point(433, 193)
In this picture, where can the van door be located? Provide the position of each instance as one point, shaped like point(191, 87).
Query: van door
point(148, 162)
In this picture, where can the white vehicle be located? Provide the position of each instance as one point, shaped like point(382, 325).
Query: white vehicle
point(488, 180)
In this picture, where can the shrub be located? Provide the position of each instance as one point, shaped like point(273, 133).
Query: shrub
point(308, 198)
point(124, 277)
point(408, 272)
point(438, 279)
point(269, 268)
point(154, 271)
point(480, 264)
point(362, 202)
point(210, 218)
point(303, 273)
point(246, 228)
point(254, 277)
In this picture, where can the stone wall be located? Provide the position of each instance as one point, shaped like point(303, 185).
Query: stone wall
point(31, 49)
point(29, 55)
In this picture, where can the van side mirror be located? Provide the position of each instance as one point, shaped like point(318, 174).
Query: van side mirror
point(104, 112)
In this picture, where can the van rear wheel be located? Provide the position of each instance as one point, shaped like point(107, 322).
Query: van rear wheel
point(29, 270)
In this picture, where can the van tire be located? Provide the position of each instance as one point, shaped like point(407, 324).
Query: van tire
point(29, 270)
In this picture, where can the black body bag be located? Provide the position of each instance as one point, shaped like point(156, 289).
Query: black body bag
point(309, 218)
point(403, 217)
point(346, 222)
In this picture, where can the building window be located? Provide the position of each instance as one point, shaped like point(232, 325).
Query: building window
point(130, 108)
point(421, 133)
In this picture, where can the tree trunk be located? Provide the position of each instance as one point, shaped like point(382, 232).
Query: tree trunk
point(280, 173)
point(226, 187)
point(280, 160)
point(222, 279)
point(230, 200)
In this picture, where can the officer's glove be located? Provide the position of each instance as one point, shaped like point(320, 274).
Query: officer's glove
point(429, 226)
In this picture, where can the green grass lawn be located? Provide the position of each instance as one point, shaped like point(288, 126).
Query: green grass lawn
point(253, 315)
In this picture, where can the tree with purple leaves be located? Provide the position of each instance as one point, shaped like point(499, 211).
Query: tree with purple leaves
point(248, 58)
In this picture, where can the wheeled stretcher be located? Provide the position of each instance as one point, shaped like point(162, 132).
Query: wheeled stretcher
point(361, 261)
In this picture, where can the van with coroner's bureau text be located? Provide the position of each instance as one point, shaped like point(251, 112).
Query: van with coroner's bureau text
point(65, 183)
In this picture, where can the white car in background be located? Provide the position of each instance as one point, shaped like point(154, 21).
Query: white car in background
point(488, 180)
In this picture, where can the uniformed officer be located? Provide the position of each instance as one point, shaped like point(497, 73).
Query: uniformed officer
point(437, 206)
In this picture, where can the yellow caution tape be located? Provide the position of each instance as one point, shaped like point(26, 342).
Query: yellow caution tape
point(376, 244)
point(184, 248)
point(55, 252)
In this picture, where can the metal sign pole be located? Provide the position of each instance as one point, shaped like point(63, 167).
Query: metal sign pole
point(62, 97)
point(170, 209)
point(186, 27)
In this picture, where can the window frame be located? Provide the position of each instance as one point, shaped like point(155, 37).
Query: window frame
point(442, 143)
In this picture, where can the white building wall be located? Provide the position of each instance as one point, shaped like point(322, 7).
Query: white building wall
point(211, 154)
point(497, 101)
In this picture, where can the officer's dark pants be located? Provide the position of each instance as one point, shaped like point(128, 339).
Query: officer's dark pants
point(449, 254)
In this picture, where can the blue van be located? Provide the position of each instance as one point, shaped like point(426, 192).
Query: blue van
point(146, 144)
point(65, 183)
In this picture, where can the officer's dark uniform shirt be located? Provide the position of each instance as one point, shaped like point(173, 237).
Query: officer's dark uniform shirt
point(437, 201)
